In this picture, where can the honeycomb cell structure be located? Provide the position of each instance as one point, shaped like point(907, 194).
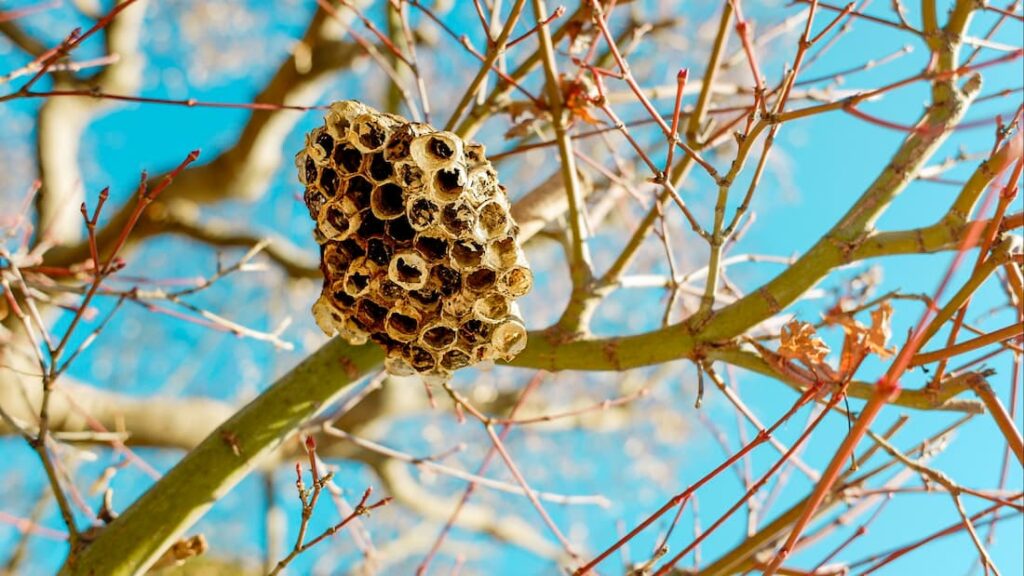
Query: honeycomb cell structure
point(417, 246)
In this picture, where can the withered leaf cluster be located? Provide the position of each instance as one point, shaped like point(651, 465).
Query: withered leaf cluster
point(861, 340)
point(418, 249)
point(800, 341)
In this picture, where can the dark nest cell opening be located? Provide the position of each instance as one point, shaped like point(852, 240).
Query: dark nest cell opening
point(372, 136)
point(351, 249)
point(314, 202)
point(380, 169)
point(359, 190)
point(422, 213)
point(449, 183)
point(325, 142)
point(387, 201)
point(474, 153)
point(408, 273)
point(439, 148)
point(356, 283)
point(405, 325)
point(454, 359)
point(310, 171)
point(439, 337)
point(348, 158)
point(422, 360)
point(449, 280)
point(370, 227)
point(371, 314)
point(342, 299)
point(334, 256)
point(474, 332)
point(341, 124)
point(378, 252)
point(480, 279)
point(398, 146)
point(400, 230)
point(432, 248)
point(329, 182)
point(411, 176)
point(467, 253)
point(337, 219)
point(457, 218)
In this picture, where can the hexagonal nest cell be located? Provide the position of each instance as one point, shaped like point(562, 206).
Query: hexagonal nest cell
point(417, 246)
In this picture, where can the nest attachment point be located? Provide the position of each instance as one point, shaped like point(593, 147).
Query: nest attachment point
point(417, 246)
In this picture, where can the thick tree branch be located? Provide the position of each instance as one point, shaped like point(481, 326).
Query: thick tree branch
point(184, 494)
point(548, 352)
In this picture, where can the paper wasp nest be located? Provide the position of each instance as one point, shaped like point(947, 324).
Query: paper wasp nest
point(417, 247)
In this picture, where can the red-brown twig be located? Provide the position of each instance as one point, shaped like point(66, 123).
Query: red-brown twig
point(72, 41)
point(627, 76)
point(761, 438)
point(667, 567)
point(309, 497)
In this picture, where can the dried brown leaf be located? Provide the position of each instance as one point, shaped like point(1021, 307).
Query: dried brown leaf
point(799, 341)
point(579, 95)
point(866, 339)
point(862, 340)
point(881, 330)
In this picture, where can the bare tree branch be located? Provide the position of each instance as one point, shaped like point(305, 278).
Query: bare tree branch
point(243, 171)
point(62, 121)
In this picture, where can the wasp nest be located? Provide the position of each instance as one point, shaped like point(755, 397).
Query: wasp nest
point(417, 247)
